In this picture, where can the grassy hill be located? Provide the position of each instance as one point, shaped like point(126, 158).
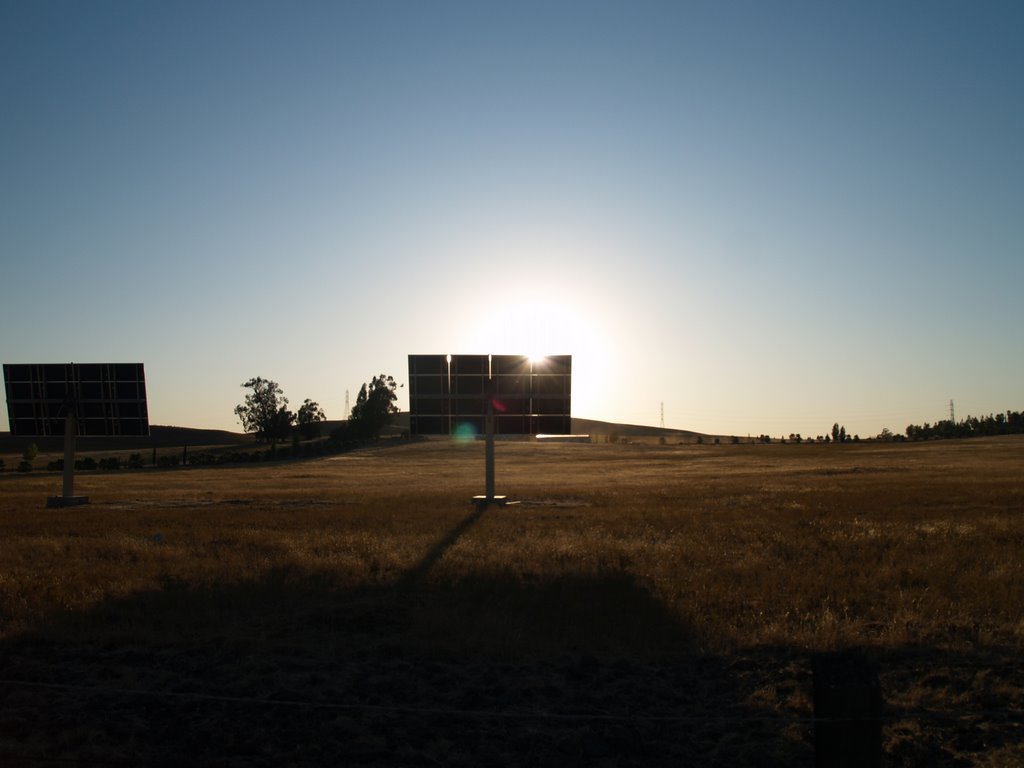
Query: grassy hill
point(159, 437)
point(162, 436)
point(594, 427)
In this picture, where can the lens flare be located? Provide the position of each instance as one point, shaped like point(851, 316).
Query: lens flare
point(464, 432)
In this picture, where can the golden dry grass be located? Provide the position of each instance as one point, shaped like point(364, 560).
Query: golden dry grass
point(813, 546)
point(747, 557)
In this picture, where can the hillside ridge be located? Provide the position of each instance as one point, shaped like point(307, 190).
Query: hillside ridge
point(169, 435)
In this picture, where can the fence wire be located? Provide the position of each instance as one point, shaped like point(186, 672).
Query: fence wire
point(1008, 716)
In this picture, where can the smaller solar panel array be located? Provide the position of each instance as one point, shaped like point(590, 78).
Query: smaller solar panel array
point(530, 396)
point(108, 399)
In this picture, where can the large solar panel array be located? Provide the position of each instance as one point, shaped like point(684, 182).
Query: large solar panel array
point(530, 396)
point(107, 398)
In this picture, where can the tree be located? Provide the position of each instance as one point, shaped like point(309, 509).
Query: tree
point(265, 411)
point(374, 407)
point(835, 432)
point(308, 419)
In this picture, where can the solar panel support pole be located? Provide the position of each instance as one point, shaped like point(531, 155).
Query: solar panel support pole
point(69, 454)
point(68, 498)
point(489, 451)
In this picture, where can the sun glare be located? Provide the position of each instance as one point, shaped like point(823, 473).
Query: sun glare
point(538, 328)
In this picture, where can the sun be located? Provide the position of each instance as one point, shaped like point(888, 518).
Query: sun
point(538, 328)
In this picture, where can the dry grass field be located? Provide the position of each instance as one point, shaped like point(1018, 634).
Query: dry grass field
point(640, 605)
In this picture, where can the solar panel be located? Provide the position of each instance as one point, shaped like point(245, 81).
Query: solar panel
point(107, 399)
point(451, 393)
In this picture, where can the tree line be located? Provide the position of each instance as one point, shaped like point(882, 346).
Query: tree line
point(1009, 423)
point(265, 412)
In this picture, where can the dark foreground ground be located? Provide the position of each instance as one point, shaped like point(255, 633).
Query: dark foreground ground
point(249, 689)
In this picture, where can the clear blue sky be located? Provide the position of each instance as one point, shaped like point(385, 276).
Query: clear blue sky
point(767, 216)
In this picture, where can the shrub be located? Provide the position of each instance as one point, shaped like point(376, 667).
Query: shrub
point(87, 463)
point(135, 461)
point(30, 454)
point(55, 466)
point(167, 460)
point(24, 466)
point(2, 465)
point(111, 462)
point(239, 457)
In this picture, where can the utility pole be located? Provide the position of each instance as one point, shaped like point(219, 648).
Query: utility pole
point(951, 417)
point(663, 415)
point(347, 409)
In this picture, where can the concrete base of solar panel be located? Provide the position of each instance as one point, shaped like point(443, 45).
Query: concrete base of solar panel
point(66, 501)
point(503, 500)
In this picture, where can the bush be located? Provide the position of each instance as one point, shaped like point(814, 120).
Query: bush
point(24, 466)
point(239, 457)
point(202, 459)
point(87, 463)
point(167, 460)
point(2, 465)
point(135, 461)
point(112, 462)
point(55, 466)
point(30, 454)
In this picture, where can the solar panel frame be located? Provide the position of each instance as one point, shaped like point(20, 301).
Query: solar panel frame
point(108, 399)
point(530, 396)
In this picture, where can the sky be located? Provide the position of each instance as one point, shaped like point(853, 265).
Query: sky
point(758, 217)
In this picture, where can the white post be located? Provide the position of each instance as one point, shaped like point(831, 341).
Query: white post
point(70, 429)
point(489, 495)
point(68, 498)
point(489, 457)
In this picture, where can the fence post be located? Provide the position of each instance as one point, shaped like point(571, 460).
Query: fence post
point(847, 711)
